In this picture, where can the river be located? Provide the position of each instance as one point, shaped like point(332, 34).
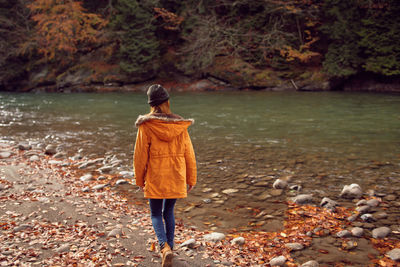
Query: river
point(243, 141)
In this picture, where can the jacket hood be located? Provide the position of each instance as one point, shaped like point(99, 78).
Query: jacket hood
point(165, 126)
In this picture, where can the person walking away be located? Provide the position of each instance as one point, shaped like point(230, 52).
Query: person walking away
point(164, 164)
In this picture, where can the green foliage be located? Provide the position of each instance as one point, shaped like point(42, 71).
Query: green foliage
point(134, 27)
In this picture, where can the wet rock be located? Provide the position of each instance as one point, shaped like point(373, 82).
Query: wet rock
point(353, 217)
point(368, 225)
point(238, 241)
point(121, 181)
point(362, 202)
point(381, 232)
point(277, 261)
point(207, 190)
point(295, 188)
point(24, 146)
point(207, 201)
point(22, 227)
point(4, 155)
point(357, 231)
point(349, 245)
point(50, 149)
point(86, 189)
point(214, 237)
point(86, 177)
point(328, 203)
point(83, 165)
point(367, 217)
point(105, 169)
point(63, 248)
point(127, 174)
point(264, 196)
point(363, 209)
point(351, 191)
point(191, 243)
point(76, 157)
point(276, 192)
point(381, 215)
point(310, 264)
point(303, 199)
point(390, 197)
point(115, 232)
point(99, 186)
point(2, 187)
point(230, 191)
point(101, 178)
point(279, 184)
point(394, 254)
point(34, 158)
point(261, 184)
point(344, 233)
point(60, 155)
point(373, 202)
point(55, 162)
point(294, 246)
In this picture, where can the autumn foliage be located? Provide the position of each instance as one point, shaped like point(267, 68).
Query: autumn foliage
point(63, 28)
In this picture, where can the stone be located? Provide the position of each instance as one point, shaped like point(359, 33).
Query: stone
point(357, 231)
point(264, 196)
point(390, 197)
point(351, 191)
point(311, 263)
point(238, 241)
point(343, 233)
point(55, 162)
point(353, 217)
point(373, 202)
point(2, 187)
point(349, 245)
point(105, 169)
point(363, 209)
point(191, 243)
point(121, 181)
point(22, 227)
point(276, 192)
point(115, 232)
point(63, 248)
point(230, 191)
point(381, 232)
point(127, 174)
point(99, 186)
point(34, 158)
point(295, 187)
point(207, 190)
point(4, 155)
point(279, 184)
point(367, 217)
point(214, 237)
point(362, 202)
point(86, 177)
point(207, 201)
point(303, 199)
point(381, 215)
point(101, 178)
point(328, 203)
point(60, 155)
point(86, 189)
point(24, 146)
point(278, 261)
point(394, 254)
point(83, 165)
point(50, 149)
point(294, 246)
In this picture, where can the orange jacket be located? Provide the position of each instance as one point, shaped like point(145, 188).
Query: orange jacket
point(164, 159)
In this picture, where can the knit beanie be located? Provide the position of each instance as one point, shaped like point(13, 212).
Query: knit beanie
point(157, 95)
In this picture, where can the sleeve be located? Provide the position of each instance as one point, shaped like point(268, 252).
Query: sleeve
point(141, 156)
point(190, 159)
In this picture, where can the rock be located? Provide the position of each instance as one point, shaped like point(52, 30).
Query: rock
point(207, 200)
point(99, 186)
point(349, 245)
point(63, 248)
point(230, 191)
point(363, 209)
point(303, 198)
point(2, 187)
point(50, 149)
point(121, 181)
point(191, 243)
point(127, 174)
point(351, 191)
point(381, 215)
point(22, 227)
point(24, 146)
point(310, 264)
point(279, 184)
point(86, 177)
point(277, 261)
point(55, 162)
point(207, 190)
point(238, 241)
point(367, 217)
point(353, 217)
point(86, 189)
point(4, 155)
point(105, 169)
point(294, 246)
point(83, 165)
point(34, 158)
point(115, 232)
point(101, 178)
point(264, 196)
point(295, 187)
point(373, 202)
point(390, 197)
point(328, 203)
point(344, 233)
point(357, 231)
point(214, 237)
point(394, 254)
point(381, 232)
point(60, 155)
point(276, 192)
point(362, 202)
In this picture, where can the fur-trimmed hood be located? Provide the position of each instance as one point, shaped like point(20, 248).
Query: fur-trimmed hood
point(164, 126)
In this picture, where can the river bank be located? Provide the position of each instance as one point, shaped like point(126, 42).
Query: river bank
point(50, 201)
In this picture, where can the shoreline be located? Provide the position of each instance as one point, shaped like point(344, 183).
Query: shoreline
point(302, 224)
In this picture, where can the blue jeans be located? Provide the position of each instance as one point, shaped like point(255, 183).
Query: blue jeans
point(165, 229)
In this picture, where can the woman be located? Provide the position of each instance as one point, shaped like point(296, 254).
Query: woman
point(165, 165)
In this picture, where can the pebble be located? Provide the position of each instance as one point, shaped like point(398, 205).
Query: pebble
point(207, 190)
point(303, 198)
point(4, 155)
point(55, 162)
point(86, 189)
point(381, 232)
point(34, 158)
point(24, 146)
point(390, 197)
point(394, 254)
point(127, 174)
point(363, 209)
point(367, 217)
point(381, 215)
point(99, 186)
point(276, 192)
point(191, 243)
point(230, 191)
point(351, 191)
point(294, 246)
point(362, 202)
point(63, 248)
point(105, 169)
point(60, 155)
point(121, 181)
point(214, 237)
point(50, 149)
point(264, 196)
point(207, 200)
point(373, 202)
point(2, 187)
point(295, 187)
point(279, 184)
point(344, 233)
point(349, 245)
point(357, 231)
point(115, 232)
point(238, 241)
point(277, 261)
point(353, 217)
point(86, 177)
point(311, 263)
point(22, 227)
point(101, 178)
point(328, 203)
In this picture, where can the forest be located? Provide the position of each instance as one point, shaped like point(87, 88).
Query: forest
point(306, 44)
